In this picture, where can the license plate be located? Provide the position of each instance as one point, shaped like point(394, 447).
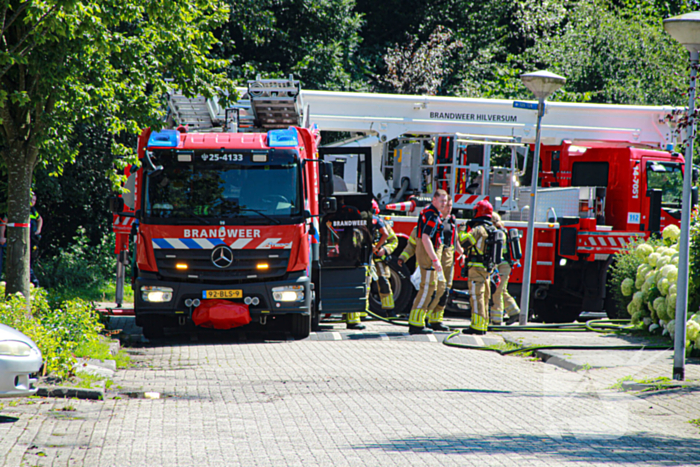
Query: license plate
point(222, 293)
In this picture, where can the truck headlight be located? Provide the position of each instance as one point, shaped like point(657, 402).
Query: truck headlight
point(156, 294)
point(15, 349)
point(288, 293)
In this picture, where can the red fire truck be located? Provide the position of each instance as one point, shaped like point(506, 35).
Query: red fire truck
point(231, 228)
point(608, 175)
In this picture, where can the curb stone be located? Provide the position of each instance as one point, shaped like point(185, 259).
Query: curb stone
point(65, 392)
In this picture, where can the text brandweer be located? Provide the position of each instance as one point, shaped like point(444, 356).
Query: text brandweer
point(221, 233)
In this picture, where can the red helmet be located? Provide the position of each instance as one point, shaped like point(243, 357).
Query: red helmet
point(483, 209)
point(375, 206)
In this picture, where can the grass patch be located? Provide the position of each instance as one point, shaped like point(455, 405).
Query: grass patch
point(695, 422)
point(508, 346)
point(618, 384)
point(100, 350)
point(654, 384)
point(88, 381)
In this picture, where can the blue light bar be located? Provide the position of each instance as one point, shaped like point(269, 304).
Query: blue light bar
point(282, 138)
point(164, 139)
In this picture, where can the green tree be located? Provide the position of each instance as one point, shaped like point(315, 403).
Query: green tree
point(315, 40)
point(614, 56)
point(101, 61)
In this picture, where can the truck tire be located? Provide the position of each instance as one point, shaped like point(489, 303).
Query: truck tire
point(554, 310)
point(152, 329)
point(402, 290)
point(315, 314)
point(610, 305)
point(301, 326)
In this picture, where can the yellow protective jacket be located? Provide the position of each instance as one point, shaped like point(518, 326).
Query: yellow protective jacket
point(410, 248)
point(474, 244)
point(390, 242)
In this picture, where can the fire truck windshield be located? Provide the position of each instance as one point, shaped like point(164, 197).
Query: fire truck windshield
point(667, 177)
point(203, 186)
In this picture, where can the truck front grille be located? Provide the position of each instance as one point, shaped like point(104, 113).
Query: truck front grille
point(200, 266)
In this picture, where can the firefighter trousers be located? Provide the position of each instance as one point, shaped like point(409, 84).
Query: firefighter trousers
point(504, 305)
point(428, 284)
point(356, 318)
point(437, 305)
point(479, 295)
point(384, 285)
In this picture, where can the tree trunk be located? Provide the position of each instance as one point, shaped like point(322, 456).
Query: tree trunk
point(19, 159)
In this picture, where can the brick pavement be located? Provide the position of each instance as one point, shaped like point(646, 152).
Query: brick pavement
point(387, 399)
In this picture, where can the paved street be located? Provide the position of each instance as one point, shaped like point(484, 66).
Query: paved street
point(339, 398)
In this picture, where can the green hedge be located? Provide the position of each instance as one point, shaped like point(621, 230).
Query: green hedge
point(57, 329)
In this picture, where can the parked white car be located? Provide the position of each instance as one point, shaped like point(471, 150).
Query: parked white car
point(20, 361)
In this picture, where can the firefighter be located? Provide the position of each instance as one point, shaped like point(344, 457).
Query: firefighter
point(385, 244)
point(479, 270)
point(447, 260)
point(501, 296)
point(428, 254)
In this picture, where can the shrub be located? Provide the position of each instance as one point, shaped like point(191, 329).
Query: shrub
point(57, 331)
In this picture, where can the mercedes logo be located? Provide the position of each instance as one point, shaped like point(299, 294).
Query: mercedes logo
point(222, 256)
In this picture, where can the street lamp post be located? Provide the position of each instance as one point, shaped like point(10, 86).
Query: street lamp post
point(542, 84)
point(686, 30)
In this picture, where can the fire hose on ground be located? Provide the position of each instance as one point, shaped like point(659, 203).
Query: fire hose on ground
point(594, 325)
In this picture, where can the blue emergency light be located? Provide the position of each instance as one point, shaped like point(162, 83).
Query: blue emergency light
point(282, 138)
point(164, 139)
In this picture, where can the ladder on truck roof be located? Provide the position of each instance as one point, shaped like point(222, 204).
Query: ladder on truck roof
point(266, 104)
point(197, 113)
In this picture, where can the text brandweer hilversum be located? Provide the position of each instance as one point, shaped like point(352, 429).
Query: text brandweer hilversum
point(473, 117)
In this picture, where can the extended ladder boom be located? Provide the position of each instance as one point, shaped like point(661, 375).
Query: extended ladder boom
point(587, 124)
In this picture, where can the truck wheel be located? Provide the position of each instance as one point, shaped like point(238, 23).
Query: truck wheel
point(301, 326)
point(610, 305)
point(315, 315)
point(403, 292)
point(152, 329)
point(552, 310)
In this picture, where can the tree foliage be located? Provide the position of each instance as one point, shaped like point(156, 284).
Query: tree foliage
point(105, 62)
point(85, 73)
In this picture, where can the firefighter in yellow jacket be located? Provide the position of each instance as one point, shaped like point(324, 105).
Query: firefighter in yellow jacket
point(385, 243)
point(501, 298)
point(475, 246)
point(428, 253)
point(447, 259)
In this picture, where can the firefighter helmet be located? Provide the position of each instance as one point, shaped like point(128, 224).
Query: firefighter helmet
point(483, 209)
point(375, 206)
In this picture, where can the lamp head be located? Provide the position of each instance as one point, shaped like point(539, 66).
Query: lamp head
point(542, 83)
point(685, 29)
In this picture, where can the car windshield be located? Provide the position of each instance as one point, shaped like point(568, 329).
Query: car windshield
point(667, 177)
point(206, 186)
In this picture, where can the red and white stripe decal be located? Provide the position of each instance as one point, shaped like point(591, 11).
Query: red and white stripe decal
point(469, 201)
point(122, 224)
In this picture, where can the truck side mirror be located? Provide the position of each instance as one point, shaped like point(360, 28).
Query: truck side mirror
point(696, 174)
point(694, 197)
point(325, 172)
point(329, 205)
point(116, 204)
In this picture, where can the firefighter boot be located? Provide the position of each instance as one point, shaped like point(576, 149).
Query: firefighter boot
point(496, 317)
point(356, 326)
point(513, 319)
point(439, 327)
point(418, 330)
